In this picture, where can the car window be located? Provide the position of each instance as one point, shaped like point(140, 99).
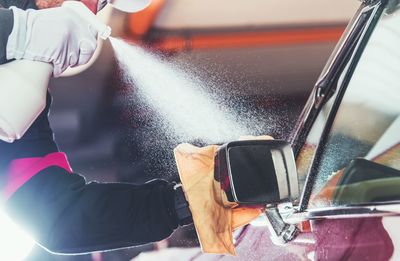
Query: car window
point(360, 162)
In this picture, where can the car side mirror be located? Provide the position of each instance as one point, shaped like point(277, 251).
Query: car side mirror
point(256, 172)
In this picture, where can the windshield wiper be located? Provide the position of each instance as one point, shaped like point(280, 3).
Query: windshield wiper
point(327, 82)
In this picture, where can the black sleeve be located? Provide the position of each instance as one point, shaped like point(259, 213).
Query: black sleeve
point(22, 4)
point(6, 26)
point(7, 21)
point(66, 215)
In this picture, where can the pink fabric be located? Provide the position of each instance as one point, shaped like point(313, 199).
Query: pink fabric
point(22, 170)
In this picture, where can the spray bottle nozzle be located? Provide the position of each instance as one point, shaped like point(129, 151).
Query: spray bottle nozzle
point(79, 8)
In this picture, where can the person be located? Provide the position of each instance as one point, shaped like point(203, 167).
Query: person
point(63, 212)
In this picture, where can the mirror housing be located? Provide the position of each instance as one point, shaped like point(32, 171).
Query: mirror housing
point(256, 172)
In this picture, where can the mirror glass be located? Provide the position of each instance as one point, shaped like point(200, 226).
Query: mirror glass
point(253, 173)
point(260, 172)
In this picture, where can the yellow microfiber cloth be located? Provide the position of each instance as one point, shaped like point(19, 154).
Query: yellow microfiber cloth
point(214, 223)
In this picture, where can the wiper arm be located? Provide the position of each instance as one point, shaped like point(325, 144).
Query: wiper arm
point(327, 82)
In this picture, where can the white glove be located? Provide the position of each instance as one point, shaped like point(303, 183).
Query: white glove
point(55, 35)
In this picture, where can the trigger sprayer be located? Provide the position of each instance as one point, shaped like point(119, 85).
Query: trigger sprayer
point(23, 91)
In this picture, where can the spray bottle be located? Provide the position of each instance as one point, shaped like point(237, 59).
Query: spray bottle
point(23, 90)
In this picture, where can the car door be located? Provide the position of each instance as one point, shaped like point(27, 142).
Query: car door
point(347, 147)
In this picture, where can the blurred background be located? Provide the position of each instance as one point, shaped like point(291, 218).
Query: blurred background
point(256, 59)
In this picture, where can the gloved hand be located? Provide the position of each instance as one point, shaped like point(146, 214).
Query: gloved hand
point(55, 35)
point(214, 223)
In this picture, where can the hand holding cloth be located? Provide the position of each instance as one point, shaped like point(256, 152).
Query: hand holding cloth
point(214, 223)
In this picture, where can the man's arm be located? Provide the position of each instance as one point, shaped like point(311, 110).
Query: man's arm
point(67, 215)
point(6, 22)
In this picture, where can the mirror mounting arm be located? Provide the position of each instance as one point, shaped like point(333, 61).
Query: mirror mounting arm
point(282, 231)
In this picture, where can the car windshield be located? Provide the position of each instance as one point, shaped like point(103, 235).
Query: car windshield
point(360, 162)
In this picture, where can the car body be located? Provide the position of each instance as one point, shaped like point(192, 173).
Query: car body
point(347, 150)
